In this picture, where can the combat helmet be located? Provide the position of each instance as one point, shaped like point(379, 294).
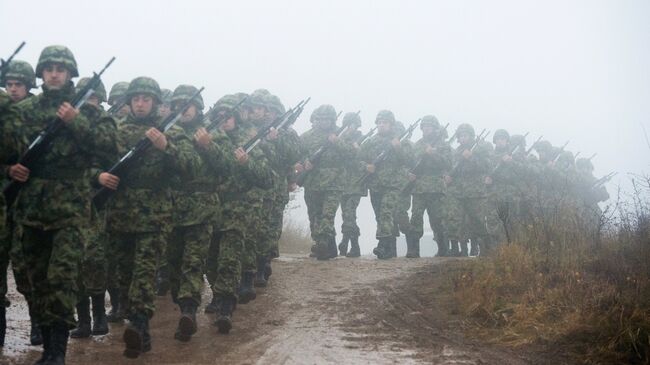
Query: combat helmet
point(144, 85)
point(465, 128)
point(500, 134)
point(183, 93)
point(117, 91)
point(21, 71)
point(352, 119)
point(57, 54)
point(100, 91)
point(324, 112)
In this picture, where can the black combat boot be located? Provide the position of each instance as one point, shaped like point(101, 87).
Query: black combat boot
point(443, 248)
point(35, 336)
point(343, 246)
point(260, 278)
point(322, 251)
point(122, 309)
point(187, 323)
point(454, 251)
point(114, 294)
point(100, 326)
point(162, 281)
point(246, 289)
point(83, 324)
point(355, 251)
point(134, 335)
point(463, 248)
point(473, 251)
point(59, 334)
point(412, 247)
point(392, 246)
point(46, 332)
point(224, 319)
point(3, 324)
point(382, 251)
point(268, 269)
point(212, 307)
point(331, 247)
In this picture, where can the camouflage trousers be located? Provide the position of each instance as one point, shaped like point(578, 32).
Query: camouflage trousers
point(402, 222)
point(321, 209)
point(49, 261)
point(5, 249)
point(277, 222)
point(264, 235)
point(224, 262)
point(433, 205)
point(466, 218)
point(349, 205)
point(384, 204)
point(92, 280)
point(254, 243)
point(186, 251)
point(138, 256)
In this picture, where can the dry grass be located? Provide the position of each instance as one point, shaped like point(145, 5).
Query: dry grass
point(589, 301)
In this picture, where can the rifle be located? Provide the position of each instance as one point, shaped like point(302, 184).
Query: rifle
point(530, 149)
point(41, 143)
point(603, 180)
point(122, 167)
point(116, 107)
point(316, 156)
point(386, 152)
point(4, 65)
point(575, 157)
point(560, 152)
point(366, 136)
point(297, 110)
point(212, 125)
point(416, 168)
point(510, 153)
point(478, 139)
point(278, 123)
point(592, 157)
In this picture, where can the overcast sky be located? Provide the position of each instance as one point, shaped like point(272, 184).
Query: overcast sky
point(570, 70)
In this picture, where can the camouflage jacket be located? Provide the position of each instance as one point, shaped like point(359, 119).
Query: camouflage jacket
point(143, 200)
point(432, 168)
point(105, 126)
point(468, 175)
point(57, 193)
point(195, 197)
point(352, 172)
point(286, 154)
point(506, 174)
point(9, 120)
point(328, 173)
point(391, 173)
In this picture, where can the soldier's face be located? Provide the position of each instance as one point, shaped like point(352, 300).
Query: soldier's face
point(270, 115)
point(384, 127)
point(258, 113)
point(228, 125)
point(55, 76)
point(93, 100)
point(124, 111)
point(501, 142)
point(16, 89)
point(142, 105)
point(189, 114)
point(427, 130)
point(465, 138)
point(164, 110)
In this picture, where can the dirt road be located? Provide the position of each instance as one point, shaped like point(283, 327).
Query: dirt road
point(345, 311)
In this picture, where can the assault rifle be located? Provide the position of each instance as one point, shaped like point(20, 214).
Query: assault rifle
point(4, 65)
point(603, 180)
point(366, 136)
point(297, 110)
point(122, 167)
point(316, 156)
point(278, 123)
point(112, 111)
point(559, 153)
point(386, 152)
point(416, 169)
point(592, 157)
point(530, 149)
point(40, 145)
point(510, 153)
point(478, 139)
point(212, 125)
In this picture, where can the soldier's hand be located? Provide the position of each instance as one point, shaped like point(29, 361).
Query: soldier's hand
point(241, 156)
point(19, 172)
point(467, 154)
point(272, 135)
point(157, 138)
point(67, 112)
point(395, 142)
point(292, 187)
point(332, 138)
point(298, 168)
point(308, 165)
point(370, 168)
point(506, 158)
point(488, 180)
point(430, 150)
point(412, 177)
point(109, 180)
point(447, 179)
point(202, 138)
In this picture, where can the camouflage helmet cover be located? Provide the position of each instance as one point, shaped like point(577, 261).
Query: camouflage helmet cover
point(21, 71)
point(166, 96)
point(258, 98)
point(225, 104)
point(57, 54)
point(584, 164)
point(324, 112)
point(500, 133)
point(117, 91)
point(429, 120)
point(385, 115)
point(543, 146)
point(274, 104)
point(144, 85)
point(352, 119)
point(100, 92)
point(465, 128)
point(183, 93)
point(518, 140)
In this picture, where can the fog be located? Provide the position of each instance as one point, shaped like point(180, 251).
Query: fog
point(577, 71)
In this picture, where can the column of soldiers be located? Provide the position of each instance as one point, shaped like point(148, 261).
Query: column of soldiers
point(199, 200)
point(206, 194)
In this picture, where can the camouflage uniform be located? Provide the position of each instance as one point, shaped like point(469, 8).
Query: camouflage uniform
point(590, 194)
point(324, 183)
point(116, 96)
point(386, 182)
point(429, 188)
point(467, 191)
point(402, 222)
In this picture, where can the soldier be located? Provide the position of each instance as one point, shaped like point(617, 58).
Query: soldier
point(386, 180)
point(433, 154)
point(402, 222)
point(165, 108)
point(324, 183)
point(502, 190)
point(238, 201)
point(18, 81)
point(53, 205)
point(353, 192)
point(92, 280)
point(116, 97)
point(466, 184)
point(140, 214)
point(590, 192)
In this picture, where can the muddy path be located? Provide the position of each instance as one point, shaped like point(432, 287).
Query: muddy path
point(345, 311)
